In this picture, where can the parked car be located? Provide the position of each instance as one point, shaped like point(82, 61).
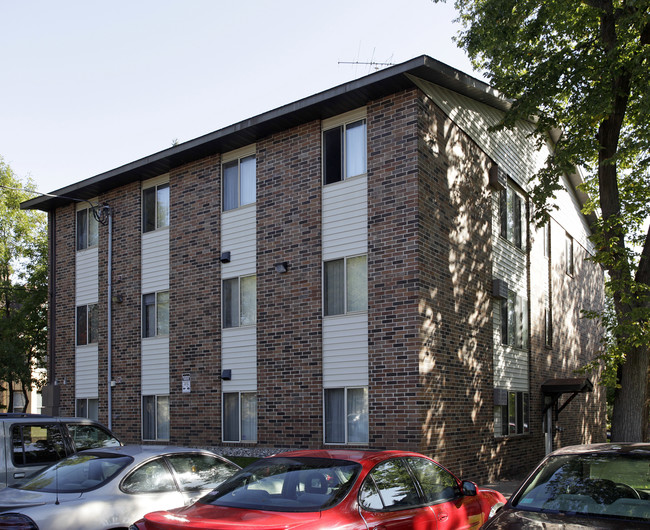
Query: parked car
point(111, 488)
point(587, 486)
point(343, 489)
point(31, 442)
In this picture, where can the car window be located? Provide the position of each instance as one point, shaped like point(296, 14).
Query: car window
point(389, 486)
point(90, 436)
point(36, 444)
point(438, 485)
point(200, 471)
point(152, 477)
point(77, 473)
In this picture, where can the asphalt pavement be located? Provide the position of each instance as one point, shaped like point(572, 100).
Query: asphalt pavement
point(505, 487)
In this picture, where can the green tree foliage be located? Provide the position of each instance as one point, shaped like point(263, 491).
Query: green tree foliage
point(23, 286)
point(581, 68)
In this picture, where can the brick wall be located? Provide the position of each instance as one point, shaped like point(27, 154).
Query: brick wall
point(289, 328)
point(195, 303)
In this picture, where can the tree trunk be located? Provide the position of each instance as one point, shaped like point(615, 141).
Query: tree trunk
point(630, 416)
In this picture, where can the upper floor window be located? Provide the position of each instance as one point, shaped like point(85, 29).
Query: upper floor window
point(512, 216)
point(239, 301)
point(344, 151)
point(239, 181)
point(345, 285)
point(568, 256)
point(155, 207)
point(514, 321)
point(155, 314)
point(87, 229)
point(87, 324)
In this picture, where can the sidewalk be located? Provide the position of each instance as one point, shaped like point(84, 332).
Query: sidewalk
point(505, 487)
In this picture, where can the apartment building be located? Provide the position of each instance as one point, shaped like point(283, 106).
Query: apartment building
point(355, 269)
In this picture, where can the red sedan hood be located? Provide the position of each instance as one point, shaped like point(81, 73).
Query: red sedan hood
point(208, 517)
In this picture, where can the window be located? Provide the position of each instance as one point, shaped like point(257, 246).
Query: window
point(239, 182)
point(512, 216)
point(239, 301)
point(389, 487)
point(514, 321)
point(87, 324)
point(548, 327)
point(437, 484)
point(88, 408)
point(344, 151)
point(546, 234)
point(87, 229)
point(198, 471)
point(155, 417)
point(240, 417)
point(155, 314)
point(346, 285)
point(513, 415)
point(155, 207)
point(37, 444)
point(568, 255)
point(346, 415)
point(19, 401)
point(152, 477)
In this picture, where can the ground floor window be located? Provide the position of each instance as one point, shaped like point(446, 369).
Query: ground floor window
point(155, 417)
point(88, 408)
point(346, 415)
point(511, 413)
point(240, 417)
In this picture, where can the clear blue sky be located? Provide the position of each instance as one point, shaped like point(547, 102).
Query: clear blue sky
point(88, 86)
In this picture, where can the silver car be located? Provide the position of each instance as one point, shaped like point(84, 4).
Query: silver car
point(110, 488)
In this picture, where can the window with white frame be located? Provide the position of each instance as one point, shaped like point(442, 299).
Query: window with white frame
point(155, 314)
point(239, 417)
point(548, 326)
point(19, 401)
point(155, 207)
point(239, 301)
point(88, 408)
point(87, 324)
point(87, 229)
point(514, 321)
point(155, 417)
point(345, 285)
point(344, 151)
point(512, 216)
point(239, 181)
point(512, 413)
point(569, 266)
point(346, 415)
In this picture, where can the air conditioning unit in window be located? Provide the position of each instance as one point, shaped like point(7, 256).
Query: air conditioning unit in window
point(497, 177)
point(499, 289)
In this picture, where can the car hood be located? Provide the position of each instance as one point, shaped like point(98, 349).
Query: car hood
point(509, 519)
point(14, 499)
point(210, 517)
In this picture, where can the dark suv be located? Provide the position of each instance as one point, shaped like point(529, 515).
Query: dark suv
point(31, 442)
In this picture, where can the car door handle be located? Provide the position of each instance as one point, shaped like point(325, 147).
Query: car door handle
point(19, 475)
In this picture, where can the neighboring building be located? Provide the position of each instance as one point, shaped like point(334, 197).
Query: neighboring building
point(357, 268)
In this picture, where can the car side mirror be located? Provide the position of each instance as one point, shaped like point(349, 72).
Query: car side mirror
point(469, 488)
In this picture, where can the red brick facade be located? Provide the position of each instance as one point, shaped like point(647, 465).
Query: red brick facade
point(430, 305)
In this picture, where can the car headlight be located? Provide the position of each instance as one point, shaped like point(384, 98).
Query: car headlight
point(17, 521)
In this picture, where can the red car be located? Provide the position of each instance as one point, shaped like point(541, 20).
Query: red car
point(338, 489)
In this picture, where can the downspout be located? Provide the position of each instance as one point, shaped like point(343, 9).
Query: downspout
point(52, 297)
point(110, 317)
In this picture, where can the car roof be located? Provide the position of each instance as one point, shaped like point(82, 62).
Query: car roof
point(355, 455)
point(604, 448)
point(143, 452)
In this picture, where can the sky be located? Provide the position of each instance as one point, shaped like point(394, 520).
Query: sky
point(88, 86)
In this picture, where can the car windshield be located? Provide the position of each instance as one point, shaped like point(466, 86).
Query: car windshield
point(287, 485)
point(78, 473)
point(607, 485)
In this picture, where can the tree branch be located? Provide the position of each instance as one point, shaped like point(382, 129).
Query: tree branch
point(643, 272)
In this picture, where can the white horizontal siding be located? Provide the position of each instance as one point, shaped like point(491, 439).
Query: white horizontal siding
point(155, 366)
point(345, 218)
point(239, 237)
point(86, 371)
point(155, 261)
point(511, 149)
point(239, 354)
point(345, 350)
point(87, 277)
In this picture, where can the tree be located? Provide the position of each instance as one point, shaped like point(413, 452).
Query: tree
point(23, 287)
point(581, 68)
